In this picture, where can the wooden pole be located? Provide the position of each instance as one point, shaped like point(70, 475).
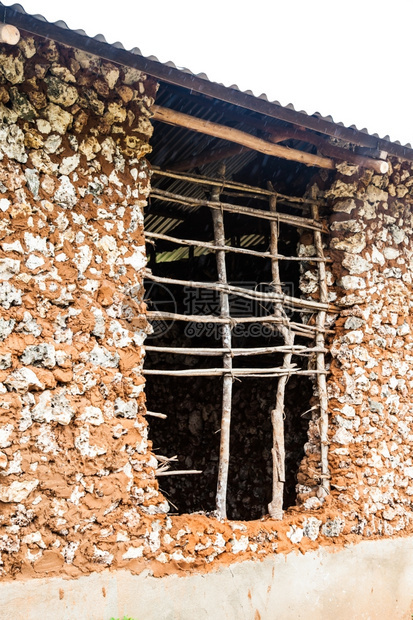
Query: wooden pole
point(324, 488)
point(235, 372)
point(335, 152)
point(177, 472)
point(371, 158)
point(286, 218)
point(275, 507)
point(9, 34)
point(275, 136)
point(229, 248)
point(223, 466)
point(227, 184)
point(223, 132)
point(273, 133)
point(199, 179)
point(222, 287)
point(155, 414)
point(302, 330)
point(217, 352)
point(207, 244)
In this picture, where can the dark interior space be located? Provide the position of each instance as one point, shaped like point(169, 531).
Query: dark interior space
point(193, 404)
point(191, 432)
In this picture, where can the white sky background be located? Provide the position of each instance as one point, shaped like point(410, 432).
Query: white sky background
point(351, 59)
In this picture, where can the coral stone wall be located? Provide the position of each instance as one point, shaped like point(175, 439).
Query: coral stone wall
point(78, 491)
point(73, 183)
point(371, 381)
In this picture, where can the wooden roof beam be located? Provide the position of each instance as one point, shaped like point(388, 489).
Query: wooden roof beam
point(271, 146)
point(326, 148)
point(223, 132)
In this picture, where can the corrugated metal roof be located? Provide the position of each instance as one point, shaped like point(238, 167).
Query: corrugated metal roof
point(11, 15)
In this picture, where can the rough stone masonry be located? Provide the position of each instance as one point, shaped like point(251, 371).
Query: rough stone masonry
point(73, 184)
point(78, 491)
point(371, 374)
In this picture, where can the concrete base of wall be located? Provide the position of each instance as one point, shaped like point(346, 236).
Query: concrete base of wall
point(372, 580)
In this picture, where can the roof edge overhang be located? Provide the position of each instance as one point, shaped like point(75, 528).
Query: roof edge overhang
point(170, 74)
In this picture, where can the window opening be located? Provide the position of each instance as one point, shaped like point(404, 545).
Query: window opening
point(228, 360)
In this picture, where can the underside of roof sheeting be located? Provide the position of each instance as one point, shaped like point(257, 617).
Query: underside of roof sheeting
point(169, 73)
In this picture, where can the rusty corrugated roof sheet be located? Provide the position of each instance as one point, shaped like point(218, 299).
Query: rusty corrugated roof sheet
point(169, 72)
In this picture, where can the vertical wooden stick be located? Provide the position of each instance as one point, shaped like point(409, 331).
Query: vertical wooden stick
point(223, 467)
point(275, 508)
point(324, 489)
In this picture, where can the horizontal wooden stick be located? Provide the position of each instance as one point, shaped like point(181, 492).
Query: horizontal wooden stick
point(236, 372)
point(235, 250)
point(203, 180)
point(155, 315)
point(280, 199)
point(177, 472)
point(306, 373)
point(223, 183)
point(166, 459)
point(209, 351)
point(207, 244)
point(294, 302)
point(155, 414)
point(239, 194)
point(304, 329)
point(292, 220)
point(223, 132)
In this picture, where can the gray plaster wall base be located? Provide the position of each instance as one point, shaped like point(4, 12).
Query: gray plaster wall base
point(371, 580)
